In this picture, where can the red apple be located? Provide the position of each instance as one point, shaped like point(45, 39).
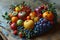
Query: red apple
point(13, 26)
point(15, 32)
point(21, 14)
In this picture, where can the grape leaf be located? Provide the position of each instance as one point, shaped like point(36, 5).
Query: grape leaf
point(3, 16)
point(6, 13)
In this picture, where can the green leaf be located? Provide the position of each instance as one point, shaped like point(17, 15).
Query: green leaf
point(6, 13)
point(3, 16)
point(43, 11)
point(7, 17)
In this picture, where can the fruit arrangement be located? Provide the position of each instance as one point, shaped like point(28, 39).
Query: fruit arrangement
point(27, 23)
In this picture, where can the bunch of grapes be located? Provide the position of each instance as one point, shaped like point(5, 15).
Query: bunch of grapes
point(43, 25)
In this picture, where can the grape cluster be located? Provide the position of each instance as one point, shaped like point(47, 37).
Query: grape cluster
point(41, 26)
point(26, 33)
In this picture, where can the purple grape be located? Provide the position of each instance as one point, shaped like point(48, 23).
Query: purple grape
point(41, 19)
point(48, 22)
point(37, 26)
point(48, 25)
point(40, 25)
point(44, 20)
point(44, 25)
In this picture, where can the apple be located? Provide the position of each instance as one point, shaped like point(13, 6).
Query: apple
point(28, 24)
point(36, 19)
point(15, 32)
point(19, 22)
point(21, 14)
point(20, 34)
point(13, 26)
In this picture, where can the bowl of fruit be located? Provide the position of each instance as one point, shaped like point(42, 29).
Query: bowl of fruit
point(27, 23)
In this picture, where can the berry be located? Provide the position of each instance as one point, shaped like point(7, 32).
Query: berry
point(15, 32)
point(42, 26)
point(20, 34)
point(42, 7)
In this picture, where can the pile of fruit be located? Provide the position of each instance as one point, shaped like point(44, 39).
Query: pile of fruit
point(27, 23)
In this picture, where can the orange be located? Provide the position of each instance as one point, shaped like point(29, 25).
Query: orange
point(14, 19)
point(33, 14)
point(48, 15)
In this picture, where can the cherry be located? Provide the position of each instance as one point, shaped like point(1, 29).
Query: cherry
point(15, 32)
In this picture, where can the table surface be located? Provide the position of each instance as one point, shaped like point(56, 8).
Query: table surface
point(53, 35)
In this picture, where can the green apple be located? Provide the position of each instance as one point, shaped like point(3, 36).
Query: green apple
point(28, 24)
point(19, 22)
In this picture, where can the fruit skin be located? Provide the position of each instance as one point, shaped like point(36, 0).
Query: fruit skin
point(26, 9)
point(32, 15)
point(36, 19)
point(28, 24)
point(21, 15)
point(37, 10)
point(20, 34)
point(43, 25)
point(19, 22)
point(48, 15)
point(40, 15)
point(15, 32)
point(17, 9)
point(42, 7)
point(14, 19)
point(28, 17)
point(13, 26)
